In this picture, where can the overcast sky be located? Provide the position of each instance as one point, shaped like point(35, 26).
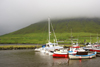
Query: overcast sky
point(16, 14)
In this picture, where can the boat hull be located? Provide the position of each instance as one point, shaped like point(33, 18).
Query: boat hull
point(71, 56)
point(37, 49)
point(95, 50)
point(60, 55)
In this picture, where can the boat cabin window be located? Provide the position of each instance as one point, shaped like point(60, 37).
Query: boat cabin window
point(55, 44)
point(48, 45)
point(98, 47)
point(89, 46)
point(77, 48)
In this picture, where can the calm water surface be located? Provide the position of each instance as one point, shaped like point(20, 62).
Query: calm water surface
point(29, 58)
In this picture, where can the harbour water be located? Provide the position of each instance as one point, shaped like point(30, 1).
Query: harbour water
point(30, 58)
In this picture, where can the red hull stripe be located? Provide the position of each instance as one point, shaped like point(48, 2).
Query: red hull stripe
point(60, 55)
point(95, 50)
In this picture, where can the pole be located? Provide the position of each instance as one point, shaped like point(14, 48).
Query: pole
point(49, 28)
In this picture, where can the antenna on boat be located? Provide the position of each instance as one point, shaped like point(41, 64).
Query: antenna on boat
point(97, 38)
point(90, 39)
point(71, 37)
point(49, 28)
point(77, 40)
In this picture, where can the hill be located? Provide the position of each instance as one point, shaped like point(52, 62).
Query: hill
point(90, 25)
point(82, 29)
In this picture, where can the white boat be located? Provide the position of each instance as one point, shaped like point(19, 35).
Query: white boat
point(76, 48)
point(50, 47)
point(82, 55)
point(37, 49)
point(93, 48)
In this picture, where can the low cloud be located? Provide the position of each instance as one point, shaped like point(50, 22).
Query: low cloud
point(16, 14)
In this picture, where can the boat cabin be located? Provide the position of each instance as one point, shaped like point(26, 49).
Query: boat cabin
point(76, 48)
point(51, 44)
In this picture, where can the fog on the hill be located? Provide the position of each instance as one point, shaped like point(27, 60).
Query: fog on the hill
point(16, 14)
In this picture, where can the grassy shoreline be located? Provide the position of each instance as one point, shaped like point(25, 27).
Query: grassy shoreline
point(42, 38)
point(11, 47)
point(16, 47)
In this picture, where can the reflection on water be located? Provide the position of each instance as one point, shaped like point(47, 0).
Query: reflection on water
point(58, 61)
point(29, 58)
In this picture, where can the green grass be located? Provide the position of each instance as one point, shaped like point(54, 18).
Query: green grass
point(88, 25)
point(37, 33)
point(10, 47)
point(42, 38)
point(15, 47)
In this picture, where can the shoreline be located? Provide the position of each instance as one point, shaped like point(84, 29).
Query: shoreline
point(15, 47)
point(27, 46)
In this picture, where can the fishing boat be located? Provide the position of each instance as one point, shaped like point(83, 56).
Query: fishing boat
point(72, 50)
point(88, 47)
point(82, 55)
point(50, 47)
point(93, 48)
point(64, 53)
point(96, 48)
point(76, 48)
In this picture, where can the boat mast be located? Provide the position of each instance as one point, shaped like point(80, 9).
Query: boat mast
point(97, 38)
point(71, 37)
point(90, 39)
point(54, 33)
point(49, 28)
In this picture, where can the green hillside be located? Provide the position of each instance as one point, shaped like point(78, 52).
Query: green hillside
point(82, 29)
point(90, 25)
